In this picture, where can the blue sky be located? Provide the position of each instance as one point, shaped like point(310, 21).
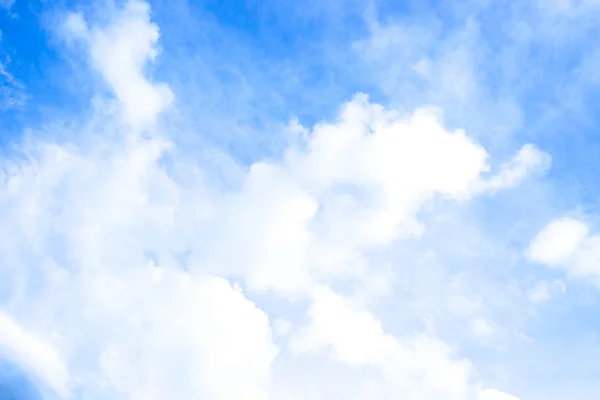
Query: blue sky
point(313, 200)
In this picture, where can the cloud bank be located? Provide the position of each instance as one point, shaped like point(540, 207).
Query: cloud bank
point(132, 270)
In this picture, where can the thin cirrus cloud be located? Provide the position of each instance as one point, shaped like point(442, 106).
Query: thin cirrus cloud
point(132, 270)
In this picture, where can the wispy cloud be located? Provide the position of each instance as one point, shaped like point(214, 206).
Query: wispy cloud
point(7, 4)
point(12, 91)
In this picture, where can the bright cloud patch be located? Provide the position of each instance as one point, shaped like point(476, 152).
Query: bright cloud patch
point(32, 353)
point(417, 367)
point(567, 244)
point(120, 53)
point(558, 241)
point(350, 187)
point(493, 394)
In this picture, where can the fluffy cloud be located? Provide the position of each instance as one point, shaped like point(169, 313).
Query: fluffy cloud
point(351, 186)
point(83, 221)
point(558, 241)
point(418, 367)
point(568, 245)
point(122, 255)
point(120, 53)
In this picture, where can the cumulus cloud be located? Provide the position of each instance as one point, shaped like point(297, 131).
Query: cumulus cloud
point(128, 256)
point(558, 241)
point(568, 245)
point(418, 367)
point(127, 327)
point(354, 185)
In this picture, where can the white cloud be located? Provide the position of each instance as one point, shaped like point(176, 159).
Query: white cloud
point(33, 354)
point(543, 291)
point(567, 244)
point(354, 185)
point(127, 327)
point(190, 338)
point(558, 241)
point(418, 367)
point(415, 366)
point(120, 53)
point(412, 57)
point(529, 159)
point(91, 235)
point(93, 214)
point(493, 394)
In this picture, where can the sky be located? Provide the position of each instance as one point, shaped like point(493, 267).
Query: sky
point(283, 200)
